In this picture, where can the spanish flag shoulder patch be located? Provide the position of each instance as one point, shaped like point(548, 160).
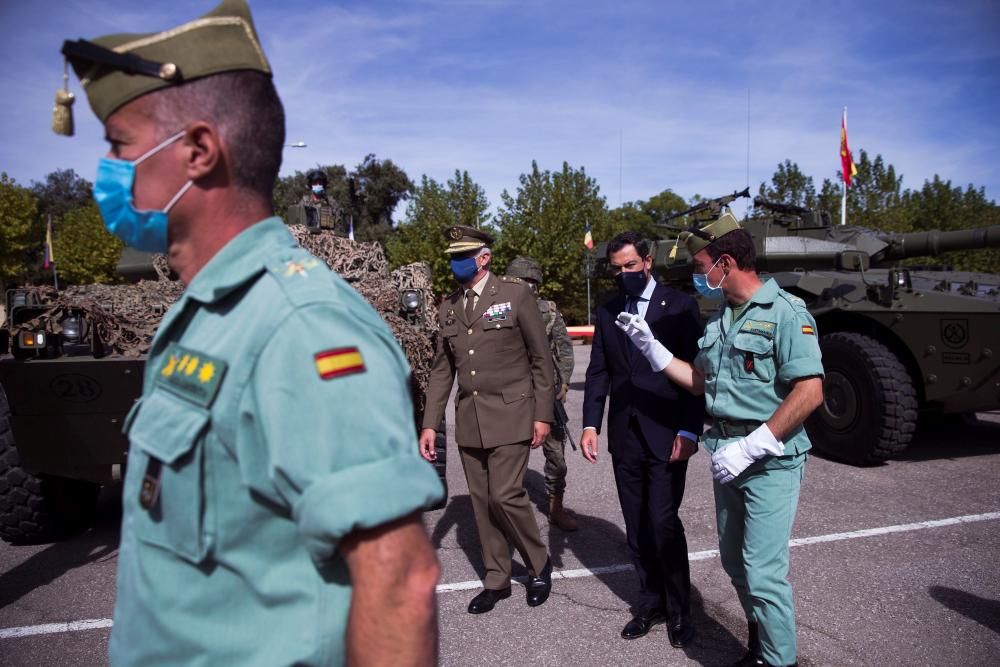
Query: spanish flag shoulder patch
point(808, 330)
point(339, 362)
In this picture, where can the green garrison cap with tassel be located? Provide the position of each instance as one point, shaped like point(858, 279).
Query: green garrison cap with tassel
point(697, 239)
point(117, 69)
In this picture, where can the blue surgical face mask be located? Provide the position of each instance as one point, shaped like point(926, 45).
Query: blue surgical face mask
point(631, 283)
point(464, 270)
point(318, 189)
point(142, 230)
point(706, 290)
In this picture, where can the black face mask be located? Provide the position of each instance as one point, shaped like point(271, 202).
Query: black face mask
point(631, 283)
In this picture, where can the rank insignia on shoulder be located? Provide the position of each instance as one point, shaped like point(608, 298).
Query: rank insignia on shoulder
point(339, 362)
point(300, 268)
point(808, 330)
point(190, 373)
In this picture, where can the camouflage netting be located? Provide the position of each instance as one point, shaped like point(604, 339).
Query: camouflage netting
point(126, 316)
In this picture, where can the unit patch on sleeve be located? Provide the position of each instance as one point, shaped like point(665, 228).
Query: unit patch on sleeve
point(339, 362)
point(191, 374)
point(808, 330)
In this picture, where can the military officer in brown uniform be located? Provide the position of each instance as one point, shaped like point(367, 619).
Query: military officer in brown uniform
point(493, 338)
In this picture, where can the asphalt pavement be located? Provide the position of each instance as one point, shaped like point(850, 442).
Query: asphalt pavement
point(891, 565)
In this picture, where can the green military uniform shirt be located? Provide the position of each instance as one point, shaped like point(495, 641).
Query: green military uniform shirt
point(275, 419)
point(750, 363)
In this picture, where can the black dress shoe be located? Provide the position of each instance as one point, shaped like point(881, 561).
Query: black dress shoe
point(539, 587)
point(640, 624)
point(680, 631)
point(486, 600)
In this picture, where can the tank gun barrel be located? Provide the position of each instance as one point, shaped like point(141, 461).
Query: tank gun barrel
point(935, 242)
point(711, 205)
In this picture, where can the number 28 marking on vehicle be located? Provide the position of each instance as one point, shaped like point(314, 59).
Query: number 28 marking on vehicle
point(75, 388)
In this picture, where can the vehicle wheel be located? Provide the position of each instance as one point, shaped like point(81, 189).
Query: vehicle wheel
point(869, 411)
point(38, 509)
point(441, 464)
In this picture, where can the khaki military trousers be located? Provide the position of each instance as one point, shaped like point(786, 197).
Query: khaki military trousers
point(504, 515)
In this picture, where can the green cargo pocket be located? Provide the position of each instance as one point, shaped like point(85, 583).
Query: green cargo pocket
point(168, 430)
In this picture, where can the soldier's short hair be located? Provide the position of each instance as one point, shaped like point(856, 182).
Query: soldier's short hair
point(628, 238)
point(245, 108)
point(738, 244)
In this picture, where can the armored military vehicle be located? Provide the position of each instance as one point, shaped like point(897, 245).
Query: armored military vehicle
point(897, 340)
point(71, 365)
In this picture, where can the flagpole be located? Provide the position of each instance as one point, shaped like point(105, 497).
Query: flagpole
point(843, 184)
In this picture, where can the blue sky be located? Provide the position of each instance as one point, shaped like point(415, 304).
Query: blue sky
point(644, 95)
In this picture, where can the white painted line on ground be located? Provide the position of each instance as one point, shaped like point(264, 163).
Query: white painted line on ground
point(94, 624)
point(52, 628)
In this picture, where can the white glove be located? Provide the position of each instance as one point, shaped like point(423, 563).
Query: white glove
point(731, 460)
point(638, 332)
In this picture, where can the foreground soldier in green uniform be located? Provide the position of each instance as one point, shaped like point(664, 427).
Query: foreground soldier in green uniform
point(760, 370)
point(268, 518)
point(554, 448)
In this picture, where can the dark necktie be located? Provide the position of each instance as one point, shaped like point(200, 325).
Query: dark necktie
point(470, 304)
point(631, 306)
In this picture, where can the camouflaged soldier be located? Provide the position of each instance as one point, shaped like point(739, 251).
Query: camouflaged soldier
point(530, 271)
point(329, 214)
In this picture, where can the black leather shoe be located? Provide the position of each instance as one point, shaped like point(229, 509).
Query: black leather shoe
point(539, 587)
point(640, 624)
point(680, 631)
point(486, 600)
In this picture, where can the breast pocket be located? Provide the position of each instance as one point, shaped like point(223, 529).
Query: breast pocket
point(503, 335)
point(168, 432)
point(707, 351)
point(753, 357)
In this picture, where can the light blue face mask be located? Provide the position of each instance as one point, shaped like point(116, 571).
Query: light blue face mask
point(318, 189)
point(706, 290)
point(142, 230)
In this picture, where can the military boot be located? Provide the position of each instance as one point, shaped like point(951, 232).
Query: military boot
point(559, 516)
point(753, 656)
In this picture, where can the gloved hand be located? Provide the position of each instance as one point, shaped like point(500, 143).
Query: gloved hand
point(639, 333)
point(731, 460)
point(561, 394)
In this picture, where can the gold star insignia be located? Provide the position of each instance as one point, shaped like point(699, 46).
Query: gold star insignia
point(207, 372)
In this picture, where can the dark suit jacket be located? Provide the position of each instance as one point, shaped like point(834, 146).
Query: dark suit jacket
point(660, 407)
point(503, 363)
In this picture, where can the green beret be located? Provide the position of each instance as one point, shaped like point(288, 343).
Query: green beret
point(698, 239)
point(116, 69)
point(465, 239)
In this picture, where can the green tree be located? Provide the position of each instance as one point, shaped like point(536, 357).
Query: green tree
point(374, 189)
point(432, 209)
point(62, 191)
point(18, 209)
point(546, 220)
point(85, 251)
point(789, 186)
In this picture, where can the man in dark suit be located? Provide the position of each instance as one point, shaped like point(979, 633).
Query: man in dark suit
point(493, 340)
point(653, 429)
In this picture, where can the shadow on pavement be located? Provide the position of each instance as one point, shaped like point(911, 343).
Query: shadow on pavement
point(458, 513)
point(984, 611)
point(952, 436)
point(47, 565)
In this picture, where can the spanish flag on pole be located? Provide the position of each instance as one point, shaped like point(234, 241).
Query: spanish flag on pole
point(588, 240)
point(49, 257)
point(846, 160)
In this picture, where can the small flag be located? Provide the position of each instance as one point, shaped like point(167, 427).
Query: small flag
point(350, 229)
point(846, 160)
point(49, 257)
point(808, 330)
point(588, 240)
point(339, 362)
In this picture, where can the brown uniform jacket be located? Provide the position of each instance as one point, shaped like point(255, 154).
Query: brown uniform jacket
point(503, 363)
